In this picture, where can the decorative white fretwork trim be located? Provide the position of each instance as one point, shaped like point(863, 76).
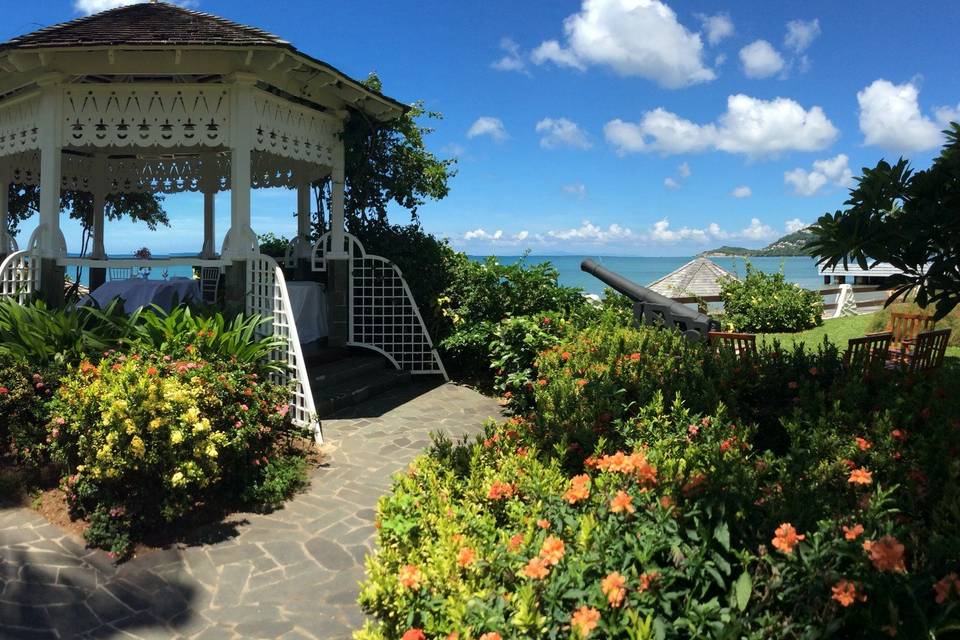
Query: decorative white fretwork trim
point(141, 116)
point(292, 131)
point(19, 126)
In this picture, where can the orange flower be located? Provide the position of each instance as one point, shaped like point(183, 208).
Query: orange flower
point(565, 355)
point(860, 476)
point(466, 557)
point(854, 532)
point(635, 357)
point(666, 502)
point(536, 569)
point(845, 592)
point(622, 502)
point(581, 382)
point(414, 634)
point(552, 550)
point(491, 635)
point(942, 587)
point(501, 491)
point(786, 538)
point(515, 542)
point(613, 587)
point(863, 443)
point(634, 463)
point(410, 576)
point(886, 554)
point(584, 620)
point(694, 484)
point(647, 580)
point(579, 489)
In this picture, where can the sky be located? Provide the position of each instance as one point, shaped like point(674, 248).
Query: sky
point(614, 127)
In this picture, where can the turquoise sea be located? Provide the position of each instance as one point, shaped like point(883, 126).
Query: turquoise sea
point(642, 270)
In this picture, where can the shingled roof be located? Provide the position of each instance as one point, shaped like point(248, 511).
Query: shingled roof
point(146, 24)
point(699, 277)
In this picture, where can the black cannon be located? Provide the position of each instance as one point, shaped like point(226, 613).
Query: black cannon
point(651, 307)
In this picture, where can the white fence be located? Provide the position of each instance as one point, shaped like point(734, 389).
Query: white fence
point(267, 296)
point(19, 276)
point(383, 314)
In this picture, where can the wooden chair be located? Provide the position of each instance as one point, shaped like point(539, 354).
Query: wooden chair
point(120, 273)
point(926, 351)
point(905, 327)
point(209, 284)
point(743, 345)
point(867, 352)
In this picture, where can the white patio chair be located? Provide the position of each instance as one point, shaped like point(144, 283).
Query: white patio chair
point(209, 284)
point(120, 273)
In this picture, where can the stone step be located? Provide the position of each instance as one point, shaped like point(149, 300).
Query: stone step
point(335, 372)
point(330, 399)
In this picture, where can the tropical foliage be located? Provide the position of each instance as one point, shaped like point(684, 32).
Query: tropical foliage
point(766, 303)
point(905, 218)
point(655, 490)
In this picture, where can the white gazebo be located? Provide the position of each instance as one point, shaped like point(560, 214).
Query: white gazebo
point(157, 98)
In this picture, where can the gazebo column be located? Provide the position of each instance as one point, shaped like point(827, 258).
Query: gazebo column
point(338, 263)
point(98, 275)
point(52, 276)
point(209, 251)
point(4, 207)
point(302, 244)
point(240, 242)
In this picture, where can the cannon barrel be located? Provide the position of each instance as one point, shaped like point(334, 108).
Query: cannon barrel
point(650, 305)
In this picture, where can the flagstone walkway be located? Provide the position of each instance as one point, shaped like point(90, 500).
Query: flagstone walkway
point(290, 574)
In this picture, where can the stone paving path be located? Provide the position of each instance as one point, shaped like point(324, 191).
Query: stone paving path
point(290, 574)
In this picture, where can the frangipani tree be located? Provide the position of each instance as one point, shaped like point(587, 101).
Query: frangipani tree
point(909, 219)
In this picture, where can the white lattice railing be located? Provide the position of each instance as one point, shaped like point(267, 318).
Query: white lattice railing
point(19, 276)
point(383, 314)
point(267, 297)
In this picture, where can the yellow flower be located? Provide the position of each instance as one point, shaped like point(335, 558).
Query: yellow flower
point(136, 444)
point(178, 480)
point(130, 426)
point(211, 451)
point(176, 436)
point(155, 424)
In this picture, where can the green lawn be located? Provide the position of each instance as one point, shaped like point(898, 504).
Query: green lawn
point(838, 331)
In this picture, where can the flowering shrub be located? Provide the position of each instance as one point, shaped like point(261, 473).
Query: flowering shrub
point(147, 439)
point(22, 410)
point(643, 497)
point(766, 302)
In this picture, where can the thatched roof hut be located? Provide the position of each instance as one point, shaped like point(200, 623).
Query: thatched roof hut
point(698, 278)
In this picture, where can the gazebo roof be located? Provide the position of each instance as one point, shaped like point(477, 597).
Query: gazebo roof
point(164, 26)
point(699, 277)
point(146, 24)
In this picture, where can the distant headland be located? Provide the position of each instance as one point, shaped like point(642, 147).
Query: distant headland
point(789, 245)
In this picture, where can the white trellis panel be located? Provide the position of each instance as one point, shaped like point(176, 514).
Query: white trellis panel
point(267, 297)
point(19, 276)
point(383, 314)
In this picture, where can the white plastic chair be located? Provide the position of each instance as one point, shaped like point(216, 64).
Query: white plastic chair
point(209, 284)
point(120, 273)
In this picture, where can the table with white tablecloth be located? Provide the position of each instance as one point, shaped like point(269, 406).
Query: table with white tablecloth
point(308, 301)
point(139, 292)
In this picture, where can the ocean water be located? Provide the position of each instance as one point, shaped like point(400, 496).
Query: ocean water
point(644, 270)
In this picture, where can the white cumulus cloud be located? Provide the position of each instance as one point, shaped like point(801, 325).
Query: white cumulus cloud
point(88, 7)
point(750, 126)
point(800, 34)
point(633, 37)
point(684, 170)
point(488, 126)
point(761, 60)
point(832, 171)
point(741, 192)
point(592, 233)
point(578, 190)
point(561, 132)
point(670, 183)
point(716, 27)
point(512, 59)
point(662, 233)
point(795, 224)
point(890, 117)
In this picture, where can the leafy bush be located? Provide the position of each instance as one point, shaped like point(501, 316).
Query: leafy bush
point(273, 245)
point(516, 344)
point(22, 409)
point(146, 440)
point(484, 293)
point(638, 498)
point(767, 303)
